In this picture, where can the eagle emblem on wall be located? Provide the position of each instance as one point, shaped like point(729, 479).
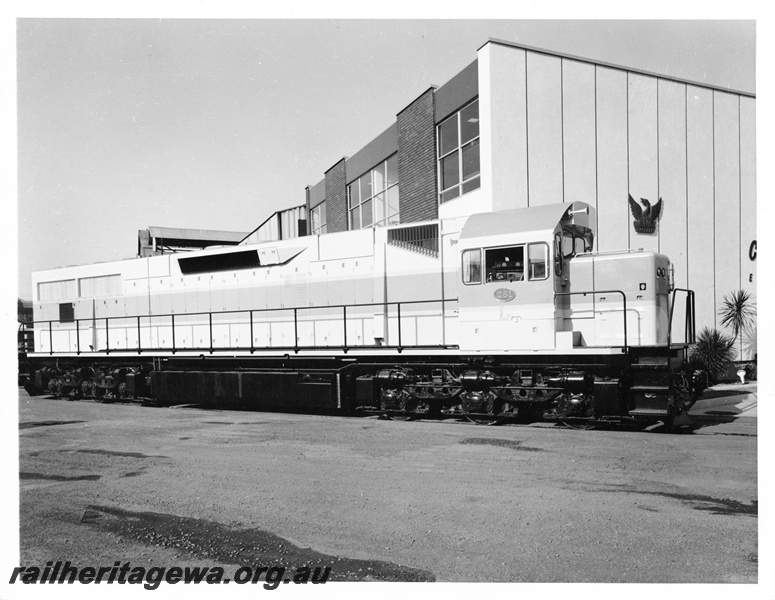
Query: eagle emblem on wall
point(646, 217)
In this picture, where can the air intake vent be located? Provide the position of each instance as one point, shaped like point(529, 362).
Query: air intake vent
point(212, 263)
point(420, 238)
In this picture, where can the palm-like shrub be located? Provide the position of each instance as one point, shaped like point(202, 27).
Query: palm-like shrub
point(738, 313)
point(713, 353)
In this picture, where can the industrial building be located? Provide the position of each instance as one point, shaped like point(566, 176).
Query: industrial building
point(523, 126)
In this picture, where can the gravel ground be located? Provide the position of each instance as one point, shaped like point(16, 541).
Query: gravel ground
point(384, 500)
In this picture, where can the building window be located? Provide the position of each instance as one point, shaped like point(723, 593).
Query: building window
point(317, 217)
point(458, 139)
point(372, 199)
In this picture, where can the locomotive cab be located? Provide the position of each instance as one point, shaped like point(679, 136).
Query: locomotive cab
point(513, 265)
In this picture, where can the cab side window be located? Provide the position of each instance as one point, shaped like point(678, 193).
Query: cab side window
point(538, 261)
point(472, 266)
point(505, 264)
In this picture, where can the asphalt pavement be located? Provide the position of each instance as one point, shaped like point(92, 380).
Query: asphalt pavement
point(385, 500)
point(728, 399)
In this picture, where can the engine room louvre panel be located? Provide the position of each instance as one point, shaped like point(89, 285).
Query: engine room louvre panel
point(212, 263)
point(100, 287)
point(54, 291)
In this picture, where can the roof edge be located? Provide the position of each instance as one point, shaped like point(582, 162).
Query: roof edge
point(615, 66)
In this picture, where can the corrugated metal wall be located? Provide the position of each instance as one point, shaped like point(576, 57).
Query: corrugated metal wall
point(598, 133)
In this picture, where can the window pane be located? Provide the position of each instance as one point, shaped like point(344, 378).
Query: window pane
point(450, 194)
point(472, 266)
point(379, 207)
point(567, 245)
point(538, 261)
point(314, 217)
point(379, 178)
point(448, 135)
point(450, 171)
point(392, 170)
point(365, 186)
point(317, 217)
point(471, 160)
point(355, 197)
point(469, 122)
point(471, 184)
point(505, 264)
point(355, 218)
point(392, 201)
point(366, 218)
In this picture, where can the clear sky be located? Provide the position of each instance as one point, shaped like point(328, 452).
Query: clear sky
point(215, 124)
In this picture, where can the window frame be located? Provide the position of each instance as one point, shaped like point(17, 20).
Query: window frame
point(322, 227)
point(516, 247)
point(463, 268)
point(526, 275)
point(383, 171)
point(547, 261)
point(463, 184)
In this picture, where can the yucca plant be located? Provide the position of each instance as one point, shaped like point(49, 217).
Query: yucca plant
point(713, 353)
point(738, 313)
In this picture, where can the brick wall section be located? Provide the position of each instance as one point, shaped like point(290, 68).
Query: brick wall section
point(336, 198)
point(417, 160)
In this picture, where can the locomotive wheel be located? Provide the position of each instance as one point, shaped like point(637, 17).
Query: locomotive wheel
point(123, 392)
point(399, 417)
point(88, 389)
point(407, 405)
point(100, 395)
point(483, 413)
point(491, 421)
point(582, 425)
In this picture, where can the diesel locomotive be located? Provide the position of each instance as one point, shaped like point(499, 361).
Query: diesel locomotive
point(489, 317)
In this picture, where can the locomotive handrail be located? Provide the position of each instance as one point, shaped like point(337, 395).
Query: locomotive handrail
point(689, 325)
point(624, 306)
point(295, 311)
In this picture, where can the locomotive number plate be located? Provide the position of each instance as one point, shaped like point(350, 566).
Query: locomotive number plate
point(504, 294)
